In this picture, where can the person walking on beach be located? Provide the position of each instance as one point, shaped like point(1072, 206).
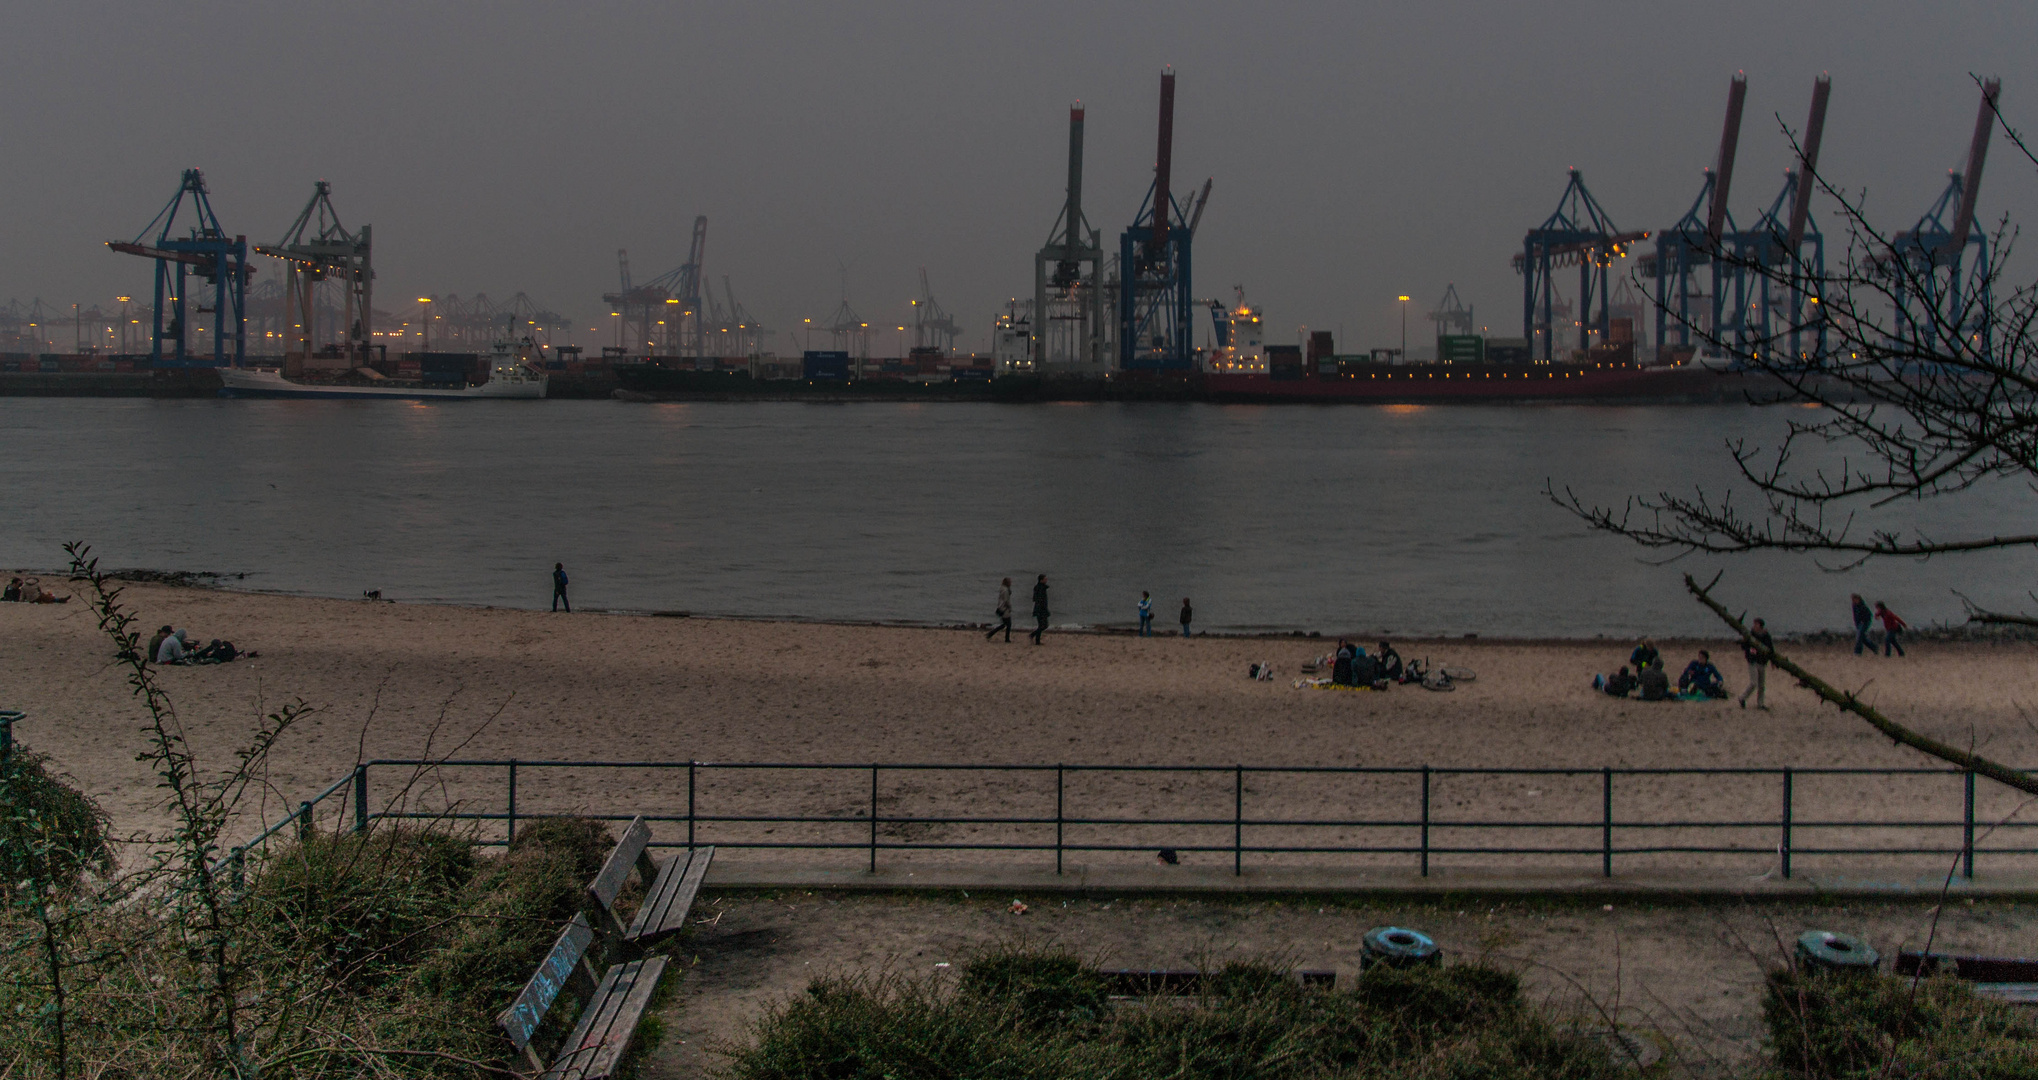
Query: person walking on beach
point(1145, 614)
point(559, 588)
point(1890, 625)
point(1863, 619)
point(1757, 650)
point(1039, 608)
point(1004, 612)
point(1187, 614)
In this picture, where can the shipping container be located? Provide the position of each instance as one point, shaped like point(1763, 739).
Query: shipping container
point(1284, 361)
point(1623, 353)
point(1461, 349)
point(826, 365)
point(1620, 331)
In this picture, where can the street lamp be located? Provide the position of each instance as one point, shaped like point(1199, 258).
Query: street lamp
point(1404, 329)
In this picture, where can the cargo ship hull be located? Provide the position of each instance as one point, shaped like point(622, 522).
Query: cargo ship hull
point(1420, 383)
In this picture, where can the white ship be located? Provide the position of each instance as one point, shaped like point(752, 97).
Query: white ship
point(1239, 348)
point(510, 375)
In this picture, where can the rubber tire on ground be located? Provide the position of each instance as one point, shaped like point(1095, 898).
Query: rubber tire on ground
point(1824, 950)
point(1398, 946)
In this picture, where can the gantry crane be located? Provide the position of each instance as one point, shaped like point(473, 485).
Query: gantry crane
point(1577, 233)
point(207, 254)
point(1068, 293)
point(1944, 302)
point(672, 300)
point(1154, 295)
point(315, 247)
point(932, 327)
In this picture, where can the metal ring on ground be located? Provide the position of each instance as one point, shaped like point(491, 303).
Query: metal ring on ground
point(1824, 950)
point(1398, 946)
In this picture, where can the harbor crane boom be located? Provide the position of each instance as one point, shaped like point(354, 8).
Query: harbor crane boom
point(208, 254)
point(315, 247)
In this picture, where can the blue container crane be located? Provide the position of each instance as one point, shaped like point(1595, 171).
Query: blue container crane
point(1577, 233)
point(1154, 328)
point(1944, 303)
point(208, 255)
point(1747, 303)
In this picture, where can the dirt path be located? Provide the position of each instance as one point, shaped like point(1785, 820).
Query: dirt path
point(1691, 972)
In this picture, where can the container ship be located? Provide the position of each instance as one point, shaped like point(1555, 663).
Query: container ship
point(1366, 381)
point(1240, 367)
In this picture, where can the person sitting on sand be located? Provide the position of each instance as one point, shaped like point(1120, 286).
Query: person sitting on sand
point(1654, 683)
point(12, 594)
point(1700, 676)
point(1620, 684)
point(1644, 655)
point(173, 649)
point(1387, 665)
point(1341, 667)
point(216, 652)
point(156, 643)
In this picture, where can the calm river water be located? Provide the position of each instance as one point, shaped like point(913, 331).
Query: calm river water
point(1399, 518)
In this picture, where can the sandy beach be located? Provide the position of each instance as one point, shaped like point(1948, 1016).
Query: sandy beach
point(398, 681)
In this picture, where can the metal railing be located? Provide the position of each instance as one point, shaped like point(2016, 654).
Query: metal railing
point(1778, 834)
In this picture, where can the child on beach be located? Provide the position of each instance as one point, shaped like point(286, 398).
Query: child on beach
point(1890, 625)
point(1145, 614)
point(1004, 612)
point(1187, 612)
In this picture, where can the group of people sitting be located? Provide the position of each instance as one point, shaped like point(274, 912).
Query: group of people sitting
point(175, 647)
point(29, 592)
point(1352, 666)
point(1699, 681)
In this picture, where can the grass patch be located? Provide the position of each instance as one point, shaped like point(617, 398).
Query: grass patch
point(1842, 1027)
point(1017, 1012)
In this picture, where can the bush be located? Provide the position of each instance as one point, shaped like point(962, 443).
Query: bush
point(50, 832)
point(1838, 1025)
point(511, 912)
point(1030, 1013)
point(365, 904)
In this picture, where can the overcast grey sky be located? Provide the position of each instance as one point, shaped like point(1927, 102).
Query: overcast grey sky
point(1359, 151)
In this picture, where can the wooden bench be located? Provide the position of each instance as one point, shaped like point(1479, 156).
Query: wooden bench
point(672, 886)
point(608, 1021)
point(616, 1001)
point(2010, 979)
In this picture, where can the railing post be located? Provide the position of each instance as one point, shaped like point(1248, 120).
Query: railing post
point(1967, 831)
point(1238, 821)
point(361, 798)
point(1606, 821)
point(304, 822)
point(1058, 786)
point(512, 816)
point(1425, 821)
point(873, 818)
point(690, 767)
point(1783, 849)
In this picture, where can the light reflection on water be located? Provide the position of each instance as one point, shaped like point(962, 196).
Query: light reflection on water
point(1401, 518)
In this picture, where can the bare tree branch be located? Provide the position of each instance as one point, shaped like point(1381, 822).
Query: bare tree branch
point(1847, 702)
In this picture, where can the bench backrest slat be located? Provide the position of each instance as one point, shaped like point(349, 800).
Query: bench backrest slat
point(616, 869)
point(522, 1018)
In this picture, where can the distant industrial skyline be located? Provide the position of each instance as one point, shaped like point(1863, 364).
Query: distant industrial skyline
point(1356, 155)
